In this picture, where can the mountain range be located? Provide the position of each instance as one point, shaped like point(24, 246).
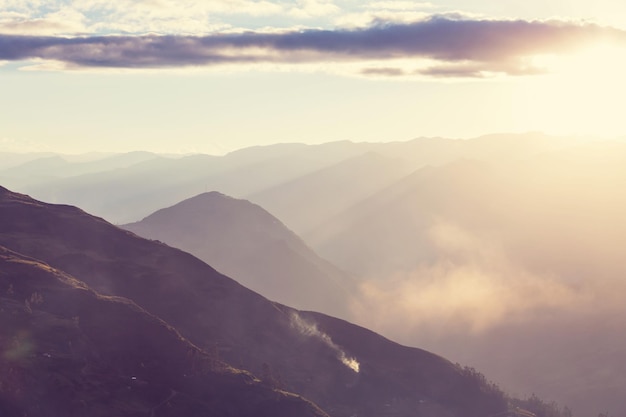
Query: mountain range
point(304, 202)
point(501, 252)
point(343, 368)
point(127, 193)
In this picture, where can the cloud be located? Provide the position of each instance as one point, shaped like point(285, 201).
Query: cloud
point(473, 286)
point(313, 8)
point(468, 69)
point(399, 5)
point(385, 11)
point(385, 72)
point(63, 21)
point(453, 71)
point(480, 45)
point(149, 16)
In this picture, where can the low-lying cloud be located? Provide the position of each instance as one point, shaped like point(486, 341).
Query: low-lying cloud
point(456, 46)
point(508, 245)
point(472, 286)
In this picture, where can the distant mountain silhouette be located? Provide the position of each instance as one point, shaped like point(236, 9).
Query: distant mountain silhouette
point(344, 368)
point(68, 351)
point(46, 169)
point(305, 202)
point(13, 159)
point(130, 193)
point(125, 192)
point(388, 231)
point(245, 242)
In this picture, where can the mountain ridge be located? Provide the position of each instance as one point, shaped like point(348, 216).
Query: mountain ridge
point(212, 310)
point(63, 345)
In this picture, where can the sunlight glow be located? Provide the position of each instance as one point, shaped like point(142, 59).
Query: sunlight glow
point(580, 94)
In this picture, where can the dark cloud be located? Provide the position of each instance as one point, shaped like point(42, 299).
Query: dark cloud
point(487, 45)
point(453, 71)
point(387, 72)
point(480, 70)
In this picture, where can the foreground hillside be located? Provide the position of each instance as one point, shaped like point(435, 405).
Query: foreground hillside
point(343, 368)
point(68, 351)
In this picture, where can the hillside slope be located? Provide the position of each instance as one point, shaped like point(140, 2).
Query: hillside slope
point(68, 351)
point(343, 368)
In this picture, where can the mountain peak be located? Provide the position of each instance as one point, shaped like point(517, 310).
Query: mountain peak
point(211, 195)
point(250, 245)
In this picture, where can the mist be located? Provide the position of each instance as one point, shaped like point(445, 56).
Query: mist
point(473, 285)
point(513, 266)
point(309, 329)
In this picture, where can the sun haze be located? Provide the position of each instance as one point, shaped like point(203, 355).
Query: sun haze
point(180, 76)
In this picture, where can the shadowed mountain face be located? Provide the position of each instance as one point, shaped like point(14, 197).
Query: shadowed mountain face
point(68, 351)
point(248, 244)
point(345, 369)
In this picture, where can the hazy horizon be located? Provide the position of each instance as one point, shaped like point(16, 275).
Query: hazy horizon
point(15, 147)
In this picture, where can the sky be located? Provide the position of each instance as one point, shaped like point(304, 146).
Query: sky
point(212, 76)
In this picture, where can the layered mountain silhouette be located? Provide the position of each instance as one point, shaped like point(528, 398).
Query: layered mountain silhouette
point(127, 193)
point(245, 242)
point(343, 368)
point(130, 193)
point(10, 159)
point(68, 351)
point(304, 202)
point(388, 231)
point(502, 252)
point(45, 169)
